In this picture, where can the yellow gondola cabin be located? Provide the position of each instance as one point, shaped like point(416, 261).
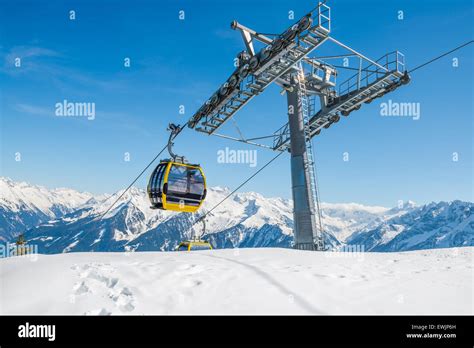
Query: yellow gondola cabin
point(177, 186)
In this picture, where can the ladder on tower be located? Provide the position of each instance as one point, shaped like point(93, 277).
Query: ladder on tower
point(303, 97)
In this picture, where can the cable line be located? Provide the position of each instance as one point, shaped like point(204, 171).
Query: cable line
point(238, 187)
point(139, 175)
point(441, 56)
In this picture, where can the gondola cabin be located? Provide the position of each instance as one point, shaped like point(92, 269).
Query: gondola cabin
point(177, 186)
point(194, 245)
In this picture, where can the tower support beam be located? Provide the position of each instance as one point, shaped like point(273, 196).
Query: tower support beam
point(305, 228)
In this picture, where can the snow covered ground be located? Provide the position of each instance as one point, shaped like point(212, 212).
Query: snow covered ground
point(240, 281)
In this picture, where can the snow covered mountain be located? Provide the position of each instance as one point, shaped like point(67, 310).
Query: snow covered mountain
point(65, 220)
point(343, 219)
point(435, 225)
point(244, 220)
point(23, 206)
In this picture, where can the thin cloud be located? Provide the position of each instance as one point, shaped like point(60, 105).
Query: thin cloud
point(34, 110)
point(29, 56)
point(108, 119)
point(28, 52)
point(45, 63)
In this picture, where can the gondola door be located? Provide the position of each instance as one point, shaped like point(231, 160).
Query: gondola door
point(184, 187)
point(156, 184)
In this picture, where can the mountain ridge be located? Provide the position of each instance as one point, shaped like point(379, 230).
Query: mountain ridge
point(246, 219)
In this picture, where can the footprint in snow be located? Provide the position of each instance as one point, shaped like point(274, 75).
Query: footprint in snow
point(190, 283)
point(81, 288)
point(91, 276)
point(124, 300)
point(189, 269)
point(94, 274)
point(101, 311)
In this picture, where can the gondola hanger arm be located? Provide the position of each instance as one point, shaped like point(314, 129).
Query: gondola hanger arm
point(175, 130)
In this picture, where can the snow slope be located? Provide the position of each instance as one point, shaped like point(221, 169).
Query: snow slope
point(240, 281)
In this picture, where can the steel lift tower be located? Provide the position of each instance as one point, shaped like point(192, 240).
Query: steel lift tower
point(284, 60)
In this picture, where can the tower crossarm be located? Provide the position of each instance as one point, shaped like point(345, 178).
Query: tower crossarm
point(256, 71)
point(374, 81)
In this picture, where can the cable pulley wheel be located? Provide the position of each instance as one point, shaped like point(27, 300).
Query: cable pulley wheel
point(214, 100)
point(233, 81)
point(254, 63)
point(304, 23)
point(290, 34)
point(243, 72)
point(224, 90)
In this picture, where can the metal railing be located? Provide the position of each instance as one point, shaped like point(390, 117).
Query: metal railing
point(324, 17)
point(391, 62)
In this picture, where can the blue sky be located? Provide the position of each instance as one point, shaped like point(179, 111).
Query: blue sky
point(176, 62)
